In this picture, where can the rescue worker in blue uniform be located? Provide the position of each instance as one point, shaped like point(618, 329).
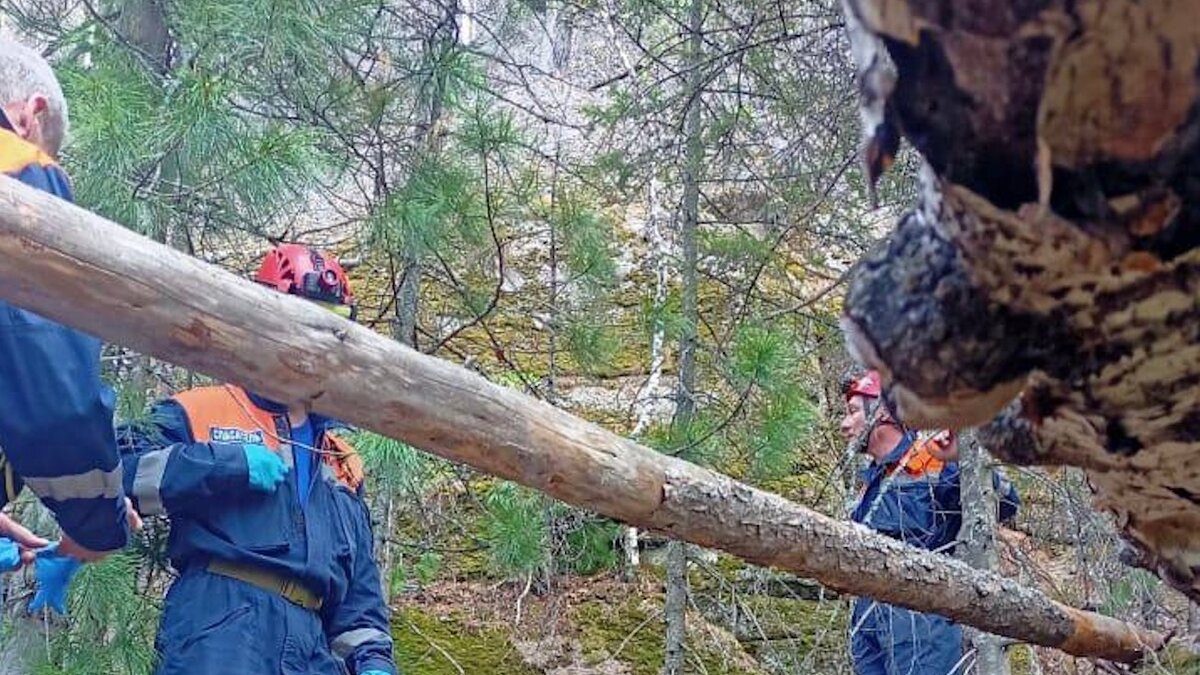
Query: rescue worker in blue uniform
point(56, 430)
point(269, 532)
point(910, 491)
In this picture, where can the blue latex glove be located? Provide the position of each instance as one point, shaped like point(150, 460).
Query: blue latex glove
point(53, 572)
point(267, 469)
point(10, 555)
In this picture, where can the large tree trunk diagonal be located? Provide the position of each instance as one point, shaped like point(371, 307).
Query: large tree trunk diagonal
point(78, 268)
point(1053, 256)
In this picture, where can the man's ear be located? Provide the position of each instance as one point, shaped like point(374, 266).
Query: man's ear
point(38, 104)
point(27, 120)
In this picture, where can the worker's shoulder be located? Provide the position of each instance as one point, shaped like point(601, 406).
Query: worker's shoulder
point(13, 317)
point(16, 153)
point(31, 165)
point(919, 463)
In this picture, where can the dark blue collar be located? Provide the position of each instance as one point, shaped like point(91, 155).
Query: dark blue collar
point(4, 123)
point(877, 467)
point(898, 452)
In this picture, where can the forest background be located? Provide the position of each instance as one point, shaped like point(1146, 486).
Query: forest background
point(641, 211)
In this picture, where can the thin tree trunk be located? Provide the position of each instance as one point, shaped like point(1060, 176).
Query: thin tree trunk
point(101, 278)
point(685, 405)
point(644, 402)
point(675, 608)
point(555, 533)
point(408, 293)
point(977, 545)
point(407, 297)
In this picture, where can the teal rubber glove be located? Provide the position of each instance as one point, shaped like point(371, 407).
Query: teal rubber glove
point(267, 469)
point(373, 672)
point(10, 555)
point(53, 572)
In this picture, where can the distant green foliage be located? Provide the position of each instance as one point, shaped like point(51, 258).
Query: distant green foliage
point(440, 199)
point(516, 530)
point(591, 548)
point(761, 356)
point(422, 569)
point(592, 344)
point(395, 465)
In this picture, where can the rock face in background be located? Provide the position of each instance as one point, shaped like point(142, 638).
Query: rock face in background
point(1047, 283)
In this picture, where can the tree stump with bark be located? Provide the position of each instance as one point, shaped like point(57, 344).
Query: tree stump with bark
point(1046, 285)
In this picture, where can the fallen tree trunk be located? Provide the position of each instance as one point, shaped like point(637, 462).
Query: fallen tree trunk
point(78, 268)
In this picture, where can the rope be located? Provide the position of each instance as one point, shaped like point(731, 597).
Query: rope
point(271, 433)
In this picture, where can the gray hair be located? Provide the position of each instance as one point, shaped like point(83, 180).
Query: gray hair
point(24, 73)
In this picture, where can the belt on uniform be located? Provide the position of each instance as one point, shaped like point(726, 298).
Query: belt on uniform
point(290, 589)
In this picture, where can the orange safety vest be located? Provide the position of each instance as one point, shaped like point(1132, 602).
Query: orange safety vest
point(227, 415)
point(918, 462)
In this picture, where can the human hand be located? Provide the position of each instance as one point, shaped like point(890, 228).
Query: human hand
point(25, 541)
point(267, 469)
point(943, 446)
point(53, 572)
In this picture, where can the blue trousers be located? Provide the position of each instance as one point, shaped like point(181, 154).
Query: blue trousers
point(213, 625)
point(889, 640)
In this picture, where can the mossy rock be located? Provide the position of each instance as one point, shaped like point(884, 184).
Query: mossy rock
point(426, 644)
point(632, 633)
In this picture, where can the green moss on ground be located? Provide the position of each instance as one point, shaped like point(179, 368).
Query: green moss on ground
point(631, 633)
point(426, 644)
point(1176, 659)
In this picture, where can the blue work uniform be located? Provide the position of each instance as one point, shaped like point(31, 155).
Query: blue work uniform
point(56, 429)
point(910, 496)
point(196, 472)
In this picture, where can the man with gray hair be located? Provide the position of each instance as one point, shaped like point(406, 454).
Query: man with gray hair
point(56, 414)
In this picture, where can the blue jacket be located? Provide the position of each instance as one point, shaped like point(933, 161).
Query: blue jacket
point(920, 505)
point(56, 429)
point(205, 490)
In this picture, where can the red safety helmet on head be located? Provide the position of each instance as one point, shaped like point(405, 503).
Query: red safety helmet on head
point(308, 273)
point(867, 384)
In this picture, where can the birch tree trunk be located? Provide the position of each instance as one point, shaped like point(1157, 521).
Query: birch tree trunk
point(644, 402)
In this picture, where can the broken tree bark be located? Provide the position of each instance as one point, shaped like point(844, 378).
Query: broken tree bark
point(1054, 252)
point(80, 269)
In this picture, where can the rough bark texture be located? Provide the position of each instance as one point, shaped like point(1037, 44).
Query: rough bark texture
point(675, 603)
point(1053, 251)
point(76, 267)
point(977, 543)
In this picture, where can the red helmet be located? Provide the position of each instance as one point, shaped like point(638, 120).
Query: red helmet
point(866, 384)
point(308, 273)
